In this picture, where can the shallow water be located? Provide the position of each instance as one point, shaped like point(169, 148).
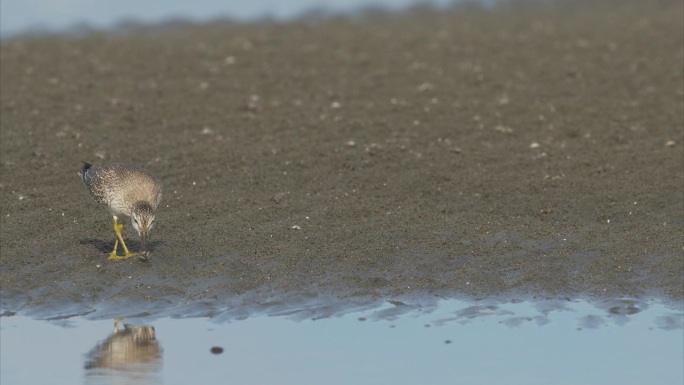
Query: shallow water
point(57, 16)
point(559, 342)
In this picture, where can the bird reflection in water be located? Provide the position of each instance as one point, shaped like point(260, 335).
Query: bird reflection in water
point(128, 355)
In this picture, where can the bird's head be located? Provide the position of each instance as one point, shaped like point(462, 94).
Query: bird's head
point(142, 217)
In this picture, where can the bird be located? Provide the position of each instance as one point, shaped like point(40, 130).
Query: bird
point(133, 349)
point(126, 190)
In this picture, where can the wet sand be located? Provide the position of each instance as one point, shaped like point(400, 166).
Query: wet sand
point(524, 152)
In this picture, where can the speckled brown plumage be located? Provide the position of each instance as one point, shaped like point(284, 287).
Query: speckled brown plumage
point(127, 190)
point(120, 186)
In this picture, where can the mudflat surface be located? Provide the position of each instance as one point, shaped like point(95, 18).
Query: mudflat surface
point(520, 153)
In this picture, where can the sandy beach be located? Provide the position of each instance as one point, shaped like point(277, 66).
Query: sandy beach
point(523, 152)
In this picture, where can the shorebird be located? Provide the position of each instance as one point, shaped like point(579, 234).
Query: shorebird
point(133, 349)
point(127, 190)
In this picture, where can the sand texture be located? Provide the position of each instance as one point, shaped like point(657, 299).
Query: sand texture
point(523, 152)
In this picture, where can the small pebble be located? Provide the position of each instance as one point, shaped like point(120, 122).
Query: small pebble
point(144, 256)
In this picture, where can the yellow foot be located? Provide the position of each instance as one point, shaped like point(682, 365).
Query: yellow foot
point(114, 257)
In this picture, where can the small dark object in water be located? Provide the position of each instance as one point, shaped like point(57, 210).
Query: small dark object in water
point(216, 350)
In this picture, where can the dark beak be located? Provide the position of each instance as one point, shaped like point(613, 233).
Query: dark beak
point(143, 238)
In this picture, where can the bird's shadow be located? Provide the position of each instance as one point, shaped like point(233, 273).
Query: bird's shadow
point(107, 246)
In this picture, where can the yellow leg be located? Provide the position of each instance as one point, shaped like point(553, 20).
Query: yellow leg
point(113, 255)
point(116, 323)
point(118, 228)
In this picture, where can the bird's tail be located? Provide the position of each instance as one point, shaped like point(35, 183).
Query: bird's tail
point(84, 169)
